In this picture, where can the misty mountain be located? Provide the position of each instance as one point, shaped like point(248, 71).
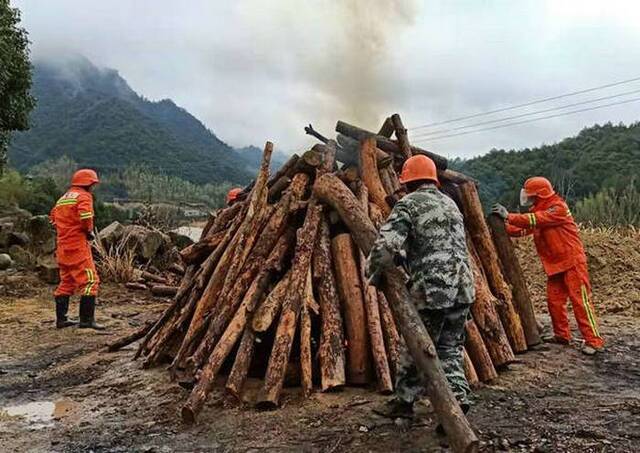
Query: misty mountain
point(93, 116)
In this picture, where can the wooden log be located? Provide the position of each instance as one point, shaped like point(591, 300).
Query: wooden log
point(240, 369)
point(269, 395)
point(132, 337)
point(374, 325)
point(177, 268)
point(486, 316)
point(349, 174)
point(306, 366)
point(385, 179)
point(332, 191)
point(287, 169)
point(376, 215)
point(515, 277)
point(270, 307)
point(474, 344)
point(387, 145)
point(135, 286)
point(331, 351)
point(233, 331)
point(470, 371)
point(352, 300)
point(197, 252)
point(276, 190)
point(164, 290)
point(456, 177)
point(387, 128)
point(371, 177)
point(349, 151)
point(148, 276)
point(392, 338)
point(402, 136)
point(481, 237)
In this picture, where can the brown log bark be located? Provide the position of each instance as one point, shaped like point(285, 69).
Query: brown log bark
point(478, 353)
point(402, 136)
point(456, 177)
point(276, 190)
point(270, 307)
point(386, 144)
point(486, 316)
point(148, 276)
point(164, 290)
point(132, 337)
point(387, 128)
point(370, 175)
point(269, 396)
point(306, 366)
point(376, 215)
point(349, 153)
point(332, 191)
point(197, 252)
point(240, 369)
point(387, 183)
point(352, 300)
point(331, 351)
point(515, 277)
point(349, 174)
point(483, 243)
point(135, 286)
point(470, 371)
point(233, 331)
point(392, 338)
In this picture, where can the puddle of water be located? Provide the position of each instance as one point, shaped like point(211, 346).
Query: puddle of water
point(41, 414)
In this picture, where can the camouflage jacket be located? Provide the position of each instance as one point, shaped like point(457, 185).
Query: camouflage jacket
point(427, 227)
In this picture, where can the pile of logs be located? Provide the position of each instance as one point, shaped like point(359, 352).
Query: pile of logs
point(276, 286)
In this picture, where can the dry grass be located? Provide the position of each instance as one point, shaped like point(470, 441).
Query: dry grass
point(116, 263)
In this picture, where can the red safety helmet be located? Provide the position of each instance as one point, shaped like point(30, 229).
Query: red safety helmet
point(233, 194)
point(538, 186)
point(84, 178)
point(417, 168)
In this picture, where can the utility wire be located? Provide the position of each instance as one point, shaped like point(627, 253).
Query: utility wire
point(530, 120)
point(526, 104)
point(524, 115)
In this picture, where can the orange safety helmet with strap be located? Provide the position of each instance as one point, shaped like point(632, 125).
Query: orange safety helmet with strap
point(233, 194)
point(419, 167)
point(84, 178)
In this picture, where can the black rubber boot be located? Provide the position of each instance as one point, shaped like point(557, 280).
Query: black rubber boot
point(62, 306)
point(87, 314)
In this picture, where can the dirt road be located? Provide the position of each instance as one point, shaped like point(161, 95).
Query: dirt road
point(59, 392)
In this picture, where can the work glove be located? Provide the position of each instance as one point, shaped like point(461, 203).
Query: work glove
point(500, 211)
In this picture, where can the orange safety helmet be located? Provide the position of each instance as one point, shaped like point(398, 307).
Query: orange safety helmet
point(419, 167)
point(84, 178)
point(233, 194)
point(538, 186)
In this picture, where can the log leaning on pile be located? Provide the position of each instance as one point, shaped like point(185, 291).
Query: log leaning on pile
point(287, 255)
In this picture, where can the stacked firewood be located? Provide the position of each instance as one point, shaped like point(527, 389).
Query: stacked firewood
point(276, 285)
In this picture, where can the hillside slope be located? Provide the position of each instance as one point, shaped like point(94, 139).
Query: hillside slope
point(94, 117)
point(598, 157)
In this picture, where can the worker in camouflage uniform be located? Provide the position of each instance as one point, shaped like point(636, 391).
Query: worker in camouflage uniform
point(425, 232)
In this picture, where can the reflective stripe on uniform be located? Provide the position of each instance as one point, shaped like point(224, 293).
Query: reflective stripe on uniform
point(90, 281)
point(587, 307)
point(86, 215)
point(66, 201)
point(532, 220)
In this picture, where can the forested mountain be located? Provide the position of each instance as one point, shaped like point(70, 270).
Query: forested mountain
point(599, 157)
point(95, 118)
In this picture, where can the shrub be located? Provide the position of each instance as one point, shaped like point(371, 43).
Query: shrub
point(611, 207)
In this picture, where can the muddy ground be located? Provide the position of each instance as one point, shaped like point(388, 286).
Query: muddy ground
point(60, 392)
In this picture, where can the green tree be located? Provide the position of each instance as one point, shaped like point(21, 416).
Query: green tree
point(15, 77)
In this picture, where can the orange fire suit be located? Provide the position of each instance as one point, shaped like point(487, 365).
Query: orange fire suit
point(72, 217)
point(558, 244)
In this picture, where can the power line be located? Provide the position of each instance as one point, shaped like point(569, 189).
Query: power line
point(524, 115)
point(531, 120)
point(526, 104)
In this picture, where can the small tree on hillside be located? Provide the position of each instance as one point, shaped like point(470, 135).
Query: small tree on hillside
point(15, 77)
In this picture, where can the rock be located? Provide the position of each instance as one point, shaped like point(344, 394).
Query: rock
point(5, 261)
point(18, 238)
point(48, 271)
point(112, 233)
point(21, 256)
point(42, 233)
point(179, 239)
point(148, 243)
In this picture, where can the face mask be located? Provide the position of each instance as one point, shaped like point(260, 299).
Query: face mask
point(525, 200)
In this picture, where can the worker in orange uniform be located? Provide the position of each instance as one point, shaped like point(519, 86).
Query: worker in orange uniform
point(72, 217)
point(232, 195)
point(558, 243)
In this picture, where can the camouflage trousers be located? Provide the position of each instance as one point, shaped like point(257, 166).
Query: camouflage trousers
point(446, 327)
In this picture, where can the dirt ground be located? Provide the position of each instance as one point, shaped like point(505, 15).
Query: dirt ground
point(60, 392)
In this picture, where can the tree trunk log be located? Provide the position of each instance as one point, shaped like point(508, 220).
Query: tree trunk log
point(391, 336)
point(164, 290)
point(276, 190)
point(486, 316)
point(132, 337)
point(306, 367)
point(470, 371)
point(332, 191)
point(197, 252)
point(478, 353)
point(387, 128)
point(332, 358)
point(240, 369)
point(370, 175)
point(483, 243)
point(513, 273)
point(270, 307)
point(402, 136)
point(351, 296)
point(269, 396)
point(349, 153)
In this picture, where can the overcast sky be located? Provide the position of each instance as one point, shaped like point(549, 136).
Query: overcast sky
point(261, 70)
